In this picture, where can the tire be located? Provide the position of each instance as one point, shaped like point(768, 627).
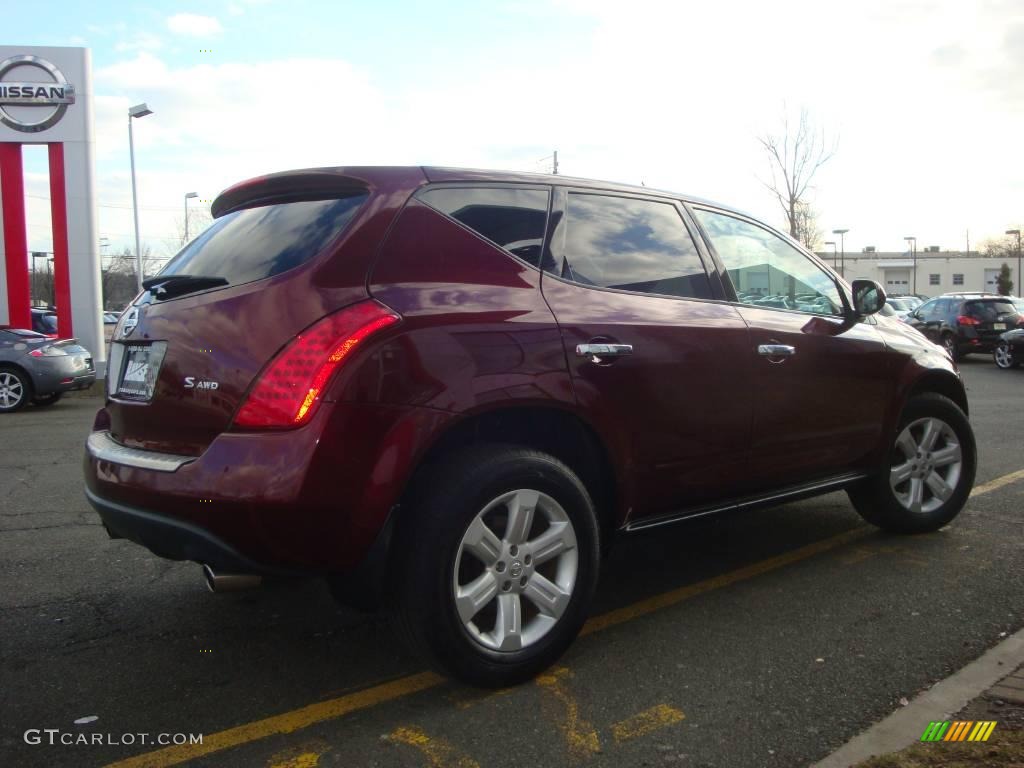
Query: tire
point(42, 401)
point(1004, 357)
point(479, 488)
point(949, 342)
point(888, 499)
point(15, 389)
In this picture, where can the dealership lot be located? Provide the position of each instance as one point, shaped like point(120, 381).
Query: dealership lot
point(768, 638)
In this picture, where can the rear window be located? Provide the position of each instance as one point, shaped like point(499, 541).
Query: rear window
point(255, 243)
point(989, 309)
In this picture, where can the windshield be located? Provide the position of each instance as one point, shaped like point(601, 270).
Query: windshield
point(255, 243)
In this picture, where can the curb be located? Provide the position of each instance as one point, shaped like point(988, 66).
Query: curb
point(904, 726)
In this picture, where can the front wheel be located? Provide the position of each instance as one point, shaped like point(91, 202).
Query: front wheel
point(501, 554)
point(930, 471)
point(1004, 357)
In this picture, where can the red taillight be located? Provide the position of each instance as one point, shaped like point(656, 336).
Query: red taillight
point(286, 394)
point(965, 320)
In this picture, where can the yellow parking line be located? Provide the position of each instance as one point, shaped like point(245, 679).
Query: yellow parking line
point(353, 702)
point(581, 739)
point(645, 722)
point(666, 599)
point(284, 723)
point(999, 482)
point(438, 751)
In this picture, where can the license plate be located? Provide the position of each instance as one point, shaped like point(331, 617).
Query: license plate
point(998, 326)
point(140, 371)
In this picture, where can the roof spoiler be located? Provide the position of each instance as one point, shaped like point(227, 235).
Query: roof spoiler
point(286, 187)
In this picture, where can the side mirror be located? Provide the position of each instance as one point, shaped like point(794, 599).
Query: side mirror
point(868, 297)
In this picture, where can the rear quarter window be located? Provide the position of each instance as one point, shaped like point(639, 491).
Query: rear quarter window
point(512, 218)
point(260, 242)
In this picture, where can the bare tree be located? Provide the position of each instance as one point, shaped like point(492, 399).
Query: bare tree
point(807, 230)
point(795, 156)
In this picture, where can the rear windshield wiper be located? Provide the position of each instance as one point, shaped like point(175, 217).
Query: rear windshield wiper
point(178, 285)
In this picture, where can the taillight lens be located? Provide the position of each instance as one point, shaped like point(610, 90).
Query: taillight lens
point(965, 320)
point(288, 391)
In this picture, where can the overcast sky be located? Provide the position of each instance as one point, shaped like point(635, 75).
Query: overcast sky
point(925, 99)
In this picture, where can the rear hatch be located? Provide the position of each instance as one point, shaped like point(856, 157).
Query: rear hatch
point(990, 318)
point(187, 351)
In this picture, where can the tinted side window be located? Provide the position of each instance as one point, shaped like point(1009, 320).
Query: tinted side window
point(766, 270)
point(259, 242)
point(927, 309)
point(632, 245)
point(511, 218)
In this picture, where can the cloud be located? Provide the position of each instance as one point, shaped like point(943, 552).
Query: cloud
point(193, 25)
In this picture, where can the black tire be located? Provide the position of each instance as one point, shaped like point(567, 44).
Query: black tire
point(15, 389)
point(446, 500)
point(1008, 359)
point(876, 500)
point(950, 343)
point(42, 401)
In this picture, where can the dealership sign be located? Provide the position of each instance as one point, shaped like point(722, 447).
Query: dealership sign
point(50, 98)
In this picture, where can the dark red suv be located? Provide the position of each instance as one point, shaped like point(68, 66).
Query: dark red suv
point(448, 390)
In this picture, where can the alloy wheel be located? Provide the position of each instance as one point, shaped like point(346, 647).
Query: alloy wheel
point(1003, 355)
point(11, 390)
point(515, 570)
point(926, 465)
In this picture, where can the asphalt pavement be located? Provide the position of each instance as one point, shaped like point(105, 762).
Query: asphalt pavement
point(764, 639)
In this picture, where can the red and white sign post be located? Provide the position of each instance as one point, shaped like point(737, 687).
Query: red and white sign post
point(46, 98)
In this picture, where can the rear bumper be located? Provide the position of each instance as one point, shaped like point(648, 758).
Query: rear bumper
point(311, 500)
point(171, 538)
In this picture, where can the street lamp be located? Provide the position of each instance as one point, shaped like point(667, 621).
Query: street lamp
point(833, 244)
point(842, 249)
point(1020, 291)
point(188, 196)
point(139, 110)
point(912, 244)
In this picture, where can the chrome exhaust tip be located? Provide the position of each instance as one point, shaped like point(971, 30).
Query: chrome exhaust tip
point(229, 582)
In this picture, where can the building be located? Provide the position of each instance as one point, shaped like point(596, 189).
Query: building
point(937, 271)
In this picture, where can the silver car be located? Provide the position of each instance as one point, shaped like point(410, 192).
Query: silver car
point(35, 368)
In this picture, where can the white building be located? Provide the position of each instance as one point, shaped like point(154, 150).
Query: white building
point(937, 271)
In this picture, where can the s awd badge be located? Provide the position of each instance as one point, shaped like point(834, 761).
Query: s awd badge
point(192, 383)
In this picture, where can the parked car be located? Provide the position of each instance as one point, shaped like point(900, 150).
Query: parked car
point(1009, 352)
point(350, 374)
point(966, 322)
point(902, 307)
point(44, 321)
point(35, 368)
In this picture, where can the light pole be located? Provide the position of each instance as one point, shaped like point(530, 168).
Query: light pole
point(833, 244)
point(912, 243)
point(188, 196)
point(1020, 291)
point(842, 250)
point(139, 110)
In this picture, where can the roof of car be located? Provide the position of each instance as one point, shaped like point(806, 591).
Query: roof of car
point(445, 174)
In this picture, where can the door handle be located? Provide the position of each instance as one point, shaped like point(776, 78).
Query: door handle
point(776, 350)
point(596, 353)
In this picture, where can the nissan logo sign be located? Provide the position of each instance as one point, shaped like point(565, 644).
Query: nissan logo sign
point(51, 97)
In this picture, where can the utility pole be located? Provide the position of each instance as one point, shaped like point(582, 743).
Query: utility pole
point(555, 164)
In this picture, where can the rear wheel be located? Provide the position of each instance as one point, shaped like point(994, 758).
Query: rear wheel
point(1004, 357)
point(15, 390)
point(41, 401)
point(501, 554)
point(930, 471)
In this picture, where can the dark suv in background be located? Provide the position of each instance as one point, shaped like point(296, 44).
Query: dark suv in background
point(449, 390)
point(966, 322)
